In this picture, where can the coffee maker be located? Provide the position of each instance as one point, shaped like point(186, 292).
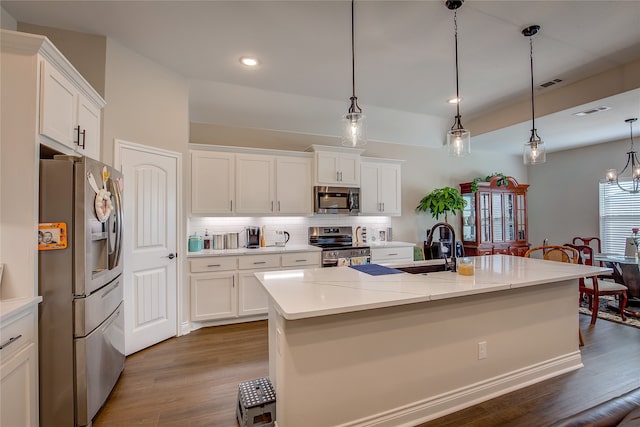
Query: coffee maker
point(253, 237)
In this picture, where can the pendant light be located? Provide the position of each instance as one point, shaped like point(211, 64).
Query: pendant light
point(354, 123)
point(458, 138)
point(534, 151)
point(632, 161)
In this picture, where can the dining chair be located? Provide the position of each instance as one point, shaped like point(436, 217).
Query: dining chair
point(596, 245)
point(554, 253)
point(598, 286)
point(560, 254)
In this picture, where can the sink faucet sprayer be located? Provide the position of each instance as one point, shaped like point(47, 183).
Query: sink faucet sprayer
point(453, 264)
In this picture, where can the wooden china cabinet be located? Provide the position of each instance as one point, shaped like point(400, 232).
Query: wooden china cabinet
point(495, 218)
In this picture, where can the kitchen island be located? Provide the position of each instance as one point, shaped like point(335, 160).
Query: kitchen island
point(351, 349)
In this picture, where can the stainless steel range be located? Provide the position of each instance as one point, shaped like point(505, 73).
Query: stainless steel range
point(337, 246)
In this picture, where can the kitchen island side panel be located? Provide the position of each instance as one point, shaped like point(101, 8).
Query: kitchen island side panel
point(408, 364)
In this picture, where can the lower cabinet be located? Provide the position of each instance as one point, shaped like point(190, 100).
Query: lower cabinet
point(19, 371)
point(225, 288)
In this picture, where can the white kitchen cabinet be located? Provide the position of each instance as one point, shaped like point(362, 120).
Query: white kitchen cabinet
point(19, 369)
point(212, 183)
point(225, 290)
point(213, 295)
point(391, 254)
point(255, 184)
point(380, 188)
point(337, 168)
point(67, 114)
point(294, 186)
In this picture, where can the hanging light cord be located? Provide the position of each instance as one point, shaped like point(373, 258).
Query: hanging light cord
point(455, 26)
point(354, 100)
point(534, 132)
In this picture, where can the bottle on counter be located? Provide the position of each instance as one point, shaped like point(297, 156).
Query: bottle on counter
point(206, 242)
point(263, 239)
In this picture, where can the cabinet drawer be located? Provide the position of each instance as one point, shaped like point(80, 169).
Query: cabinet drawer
point(258, 261)
point(203, 265)
point(301, 258)
point(17, 334)
point(392, 254)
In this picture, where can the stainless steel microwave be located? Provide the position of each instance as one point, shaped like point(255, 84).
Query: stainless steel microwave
point(336, 200)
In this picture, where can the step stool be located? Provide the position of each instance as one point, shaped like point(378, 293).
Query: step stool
point(256, 403)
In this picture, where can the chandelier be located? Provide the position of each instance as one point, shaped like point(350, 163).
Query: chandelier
point(632, 163)
point(354, 123)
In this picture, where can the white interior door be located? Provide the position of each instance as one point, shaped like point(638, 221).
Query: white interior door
point(150, 229)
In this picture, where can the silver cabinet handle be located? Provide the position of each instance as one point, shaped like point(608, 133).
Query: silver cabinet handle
point(213, 265)
point(278, 205)
point(382, 207)
point(300, 260)
point(10, 341)
point(337, 176)
point(393, 254)
point(233, 281)
point(272, 206)
point(259, 262)
point(231, 205)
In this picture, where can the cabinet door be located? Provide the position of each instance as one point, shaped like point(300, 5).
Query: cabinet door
point(255, 184)
point(212, 182)
point(469, 218)
point(89, 122)
point(349, 169)
point(369, 190)
point(58, 106)
point(253, 298)
point(485, 217)
point(327, 168)
point(213, 296)
point(19, 385)
point(390, 189)
point(293, 186)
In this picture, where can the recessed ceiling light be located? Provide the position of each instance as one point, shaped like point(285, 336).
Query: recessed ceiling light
point(454, 100)
point(248, 61)
point(592, 110)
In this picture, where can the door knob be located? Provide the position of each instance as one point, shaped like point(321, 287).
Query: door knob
point(172, 256)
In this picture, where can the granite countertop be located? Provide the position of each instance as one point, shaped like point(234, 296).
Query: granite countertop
point(299, 294)
point(9, 307)
point(254, 251)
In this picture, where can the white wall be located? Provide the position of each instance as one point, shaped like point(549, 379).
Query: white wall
point(563, 197)
point(7, 21)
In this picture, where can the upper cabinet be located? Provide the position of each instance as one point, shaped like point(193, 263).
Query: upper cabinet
point(336, 166)
point(380, 188)
point(495, 218)
point(212, 183)
point(226, 183)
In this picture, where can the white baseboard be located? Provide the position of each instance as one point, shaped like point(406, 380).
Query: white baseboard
point(185, 328)
point(455, 400)
point(192, 326)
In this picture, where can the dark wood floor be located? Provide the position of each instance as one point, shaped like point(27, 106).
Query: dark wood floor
point(192, 381)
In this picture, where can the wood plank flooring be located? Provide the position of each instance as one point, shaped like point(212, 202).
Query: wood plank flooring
point(192, 381)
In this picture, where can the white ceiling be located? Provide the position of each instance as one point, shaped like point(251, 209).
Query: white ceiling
point(404, 60)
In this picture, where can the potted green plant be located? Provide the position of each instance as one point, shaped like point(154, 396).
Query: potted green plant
point(441, 201)
point(502, 181)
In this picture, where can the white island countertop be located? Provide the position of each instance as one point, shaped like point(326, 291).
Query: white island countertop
point(300, 294)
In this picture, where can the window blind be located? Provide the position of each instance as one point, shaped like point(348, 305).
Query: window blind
point(619, 212)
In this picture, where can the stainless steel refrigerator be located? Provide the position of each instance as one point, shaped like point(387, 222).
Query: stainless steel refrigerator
point(81, 318)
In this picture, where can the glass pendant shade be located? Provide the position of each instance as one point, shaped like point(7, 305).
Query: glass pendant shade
point(534, 152)
point(459, 142)
point(354, 130)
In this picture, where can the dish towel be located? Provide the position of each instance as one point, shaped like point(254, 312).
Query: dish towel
point(376, 269)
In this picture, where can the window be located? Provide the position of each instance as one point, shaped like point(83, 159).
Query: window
point(619, 212)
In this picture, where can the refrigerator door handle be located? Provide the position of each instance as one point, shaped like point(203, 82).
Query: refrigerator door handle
point(117, 250)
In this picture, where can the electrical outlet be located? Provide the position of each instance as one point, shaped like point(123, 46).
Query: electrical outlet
point(482, 350)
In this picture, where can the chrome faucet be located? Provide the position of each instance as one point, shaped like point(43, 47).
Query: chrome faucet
point(449, 265)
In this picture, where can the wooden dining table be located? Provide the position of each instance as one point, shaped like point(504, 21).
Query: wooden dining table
point(626, 271)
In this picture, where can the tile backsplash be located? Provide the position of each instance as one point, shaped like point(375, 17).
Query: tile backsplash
point(297, 226)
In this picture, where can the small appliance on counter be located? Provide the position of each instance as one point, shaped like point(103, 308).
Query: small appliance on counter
point(282, 237)
point(253, 237)
point(232, 239)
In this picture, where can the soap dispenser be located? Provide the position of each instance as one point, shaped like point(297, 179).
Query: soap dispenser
point(206, 243)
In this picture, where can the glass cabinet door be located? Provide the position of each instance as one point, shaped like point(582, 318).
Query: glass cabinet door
point(485, 217)
point(509, 217)
point(469, 218)
point(497, 212)
point(521, 217)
